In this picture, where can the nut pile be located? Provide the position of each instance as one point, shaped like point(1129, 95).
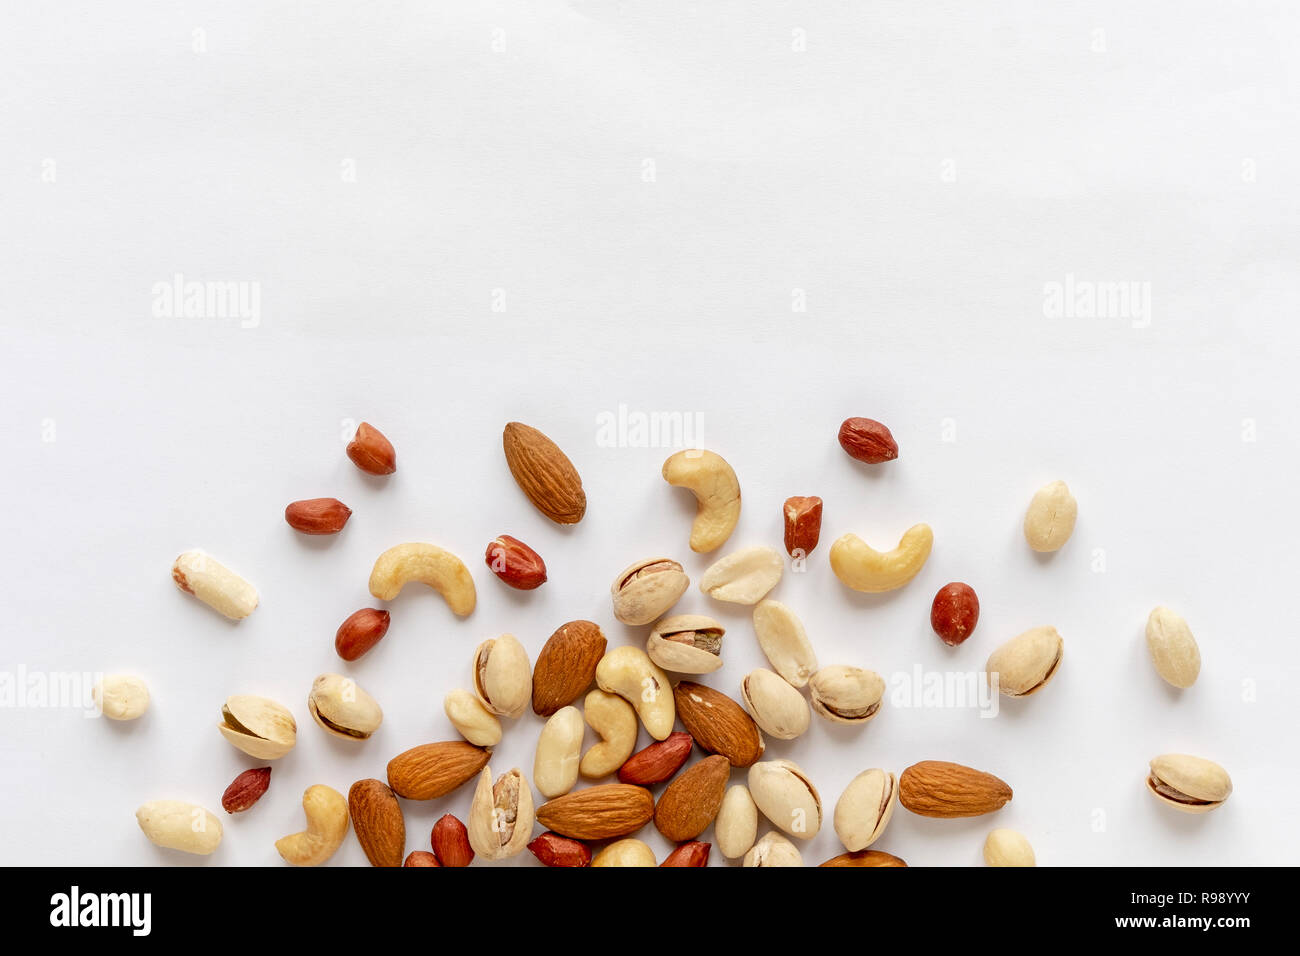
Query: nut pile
point(578, 682)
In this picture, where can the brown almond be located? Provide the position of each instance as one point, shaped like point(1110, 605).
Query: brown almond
point(317, 515)
point(377, 821)
point(718, 723)
point(598, 813)
point(450, 840)
point(566, 666)
point(937, 788)
point(361, 631)
point(658, 762)
point(689, 854)
point(868, 440)
point(246, 789)
point(435, 770)
point(865, 858)
point(544, 474)
point(555, 850)
point(688, 804)
point(371, 451)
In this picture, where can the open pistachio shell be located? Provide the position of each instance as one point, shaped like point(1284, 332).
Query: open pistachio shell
point(1187, 783)
point(1027, 663)
point(686, 644)
point(258, 726)
point(342, 708)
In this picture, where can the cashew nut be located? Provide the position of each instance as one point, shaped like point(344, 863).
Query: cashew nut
point(717, 494)
point(629, 672)
point(863, 568)
point(614, 720)
point(327, 825)
point(428, 564)
point(214, 584)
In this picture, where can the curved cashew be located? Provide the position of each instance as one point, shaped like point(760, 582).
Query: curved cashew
point(327, 825)
point(629, 672)
point(614, 720)
point(717, 494)
point(863, 568)
point(428, 564)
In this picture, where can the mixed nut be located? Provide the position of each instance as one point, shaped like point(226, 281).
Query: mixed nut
point(577, 682)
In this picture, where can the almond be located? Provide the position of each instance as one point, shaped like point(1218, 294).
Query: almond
point(361, 631)
point(598, 813)
point(555, 850)
point(803, 525)
point(658, 762)
point(515, 563)
point(689, 854)
point(450, 841)
point(865, 858)
point(371, 451)
point(936, 788)
point(688, 804)
point(421, 858)
point(718, 723)
point(246, 789)
point(377, 820)
point(544, 474)
point(317, 515)
point(868, 440)
point(434, 770)
point(566, 666)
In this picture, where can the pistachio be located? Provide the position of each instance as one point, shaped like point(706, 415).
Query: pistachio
point(787, 797)
point(686, 644)
point(1005, 847)
point(343, 708)
point(503, 678)
point(258, 726)
point(647, 589)
point(776, 707)
point(1027, 663)
point(629, 672)
point(1190, 784)
point(559, 747)
point(737, 823)
point(784, 642)
point(1173, 648)
point(864, 808)
point(846, 695)
point(471, 719)
point(773, 850)
point(500, 815)
point(743, 577)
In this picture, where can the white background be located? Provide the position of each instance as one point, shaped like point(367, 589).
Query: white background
point(920, 174)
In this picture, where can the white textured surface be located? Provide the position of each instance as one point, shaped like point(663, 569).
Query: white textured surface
point(1167, 157)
